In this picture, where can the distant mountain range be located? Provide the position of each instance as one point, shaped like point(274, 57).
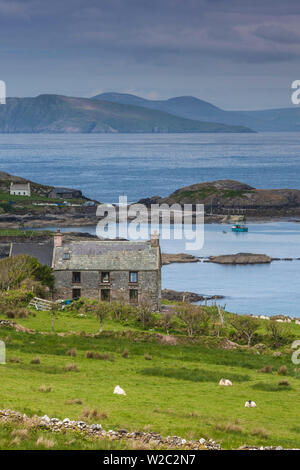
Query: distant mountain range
point(125, 113)
point(282, 119)
point(62, 114)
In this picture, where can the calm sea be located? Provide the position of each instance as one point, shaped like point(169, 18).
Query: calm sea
point(106, 166)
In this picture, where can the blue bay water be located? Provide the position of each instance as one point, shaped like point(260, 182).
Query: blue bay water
point(106, 166)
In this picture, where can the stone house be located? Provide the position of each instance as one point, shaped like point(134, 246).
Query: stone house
point(108, 270)
point(20, 189)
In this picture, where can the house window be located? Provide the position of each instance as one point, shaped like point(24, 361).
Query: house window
point(76, 277)
point(133, 277)
point(105, 277)
point(76, 293)
point(105, 295)
point(133, 295)
point(66, 256)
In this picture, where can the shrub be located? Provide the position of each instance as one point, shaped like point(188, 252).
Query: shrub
point(71, 367)
point(14, 270)
point(125, 353)
point(266, 370)
point(72, 352)
point(43, 388)
point(284, 383)
point(15, 360)
point(48, 443)
point(230, 428)
point(96, 355)
point(74, 401)
point(93, 414)
point(35, 360)
point(260, 432)
point(282, 370)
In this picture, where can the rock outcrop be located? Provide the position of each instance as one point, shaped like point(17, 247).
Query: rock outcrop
point(230, 197)
point(184, 296)
point(168, 258)
point(240, 258)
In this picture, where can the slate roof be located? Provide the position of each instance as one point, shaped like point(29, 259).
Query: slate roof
point(42, 251)
point(20, 186)
point(107, 256)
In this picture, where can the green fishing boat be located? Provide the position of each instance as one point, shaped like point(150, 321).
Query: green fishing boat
point(239, 228)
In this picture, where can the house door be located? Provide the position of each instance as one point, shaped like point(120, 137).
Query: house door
point(105, 295)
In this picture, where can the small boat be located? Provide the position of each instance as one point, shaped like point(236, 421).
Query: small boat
point(239, 228)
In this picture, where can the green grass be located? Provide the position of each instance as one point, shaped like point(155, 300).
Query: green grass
point(24, 233)
point(177, 390)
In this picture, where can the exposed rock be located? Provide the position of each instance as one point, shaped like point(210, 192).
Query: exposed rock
point(228, 197)
point(167, 339)
point(184, 296)
point(241, 258)
point(227, 344)
point(147, 439)
point(168, 258)
point(16, 326)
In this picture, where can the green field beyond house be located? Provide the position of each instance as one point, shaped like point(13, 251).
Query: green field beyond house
point(171, 389)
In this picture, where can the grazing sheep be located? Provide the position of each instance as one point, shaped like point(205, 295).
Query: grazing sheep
point(250, 404)
point(119, 391)
point(225, 382)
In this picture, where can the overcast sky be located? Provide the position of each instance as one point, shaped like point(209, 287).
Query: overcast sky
point(237, 54)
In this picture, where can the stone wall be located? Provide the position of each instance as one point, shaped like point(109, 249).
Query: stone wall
point(148, 286)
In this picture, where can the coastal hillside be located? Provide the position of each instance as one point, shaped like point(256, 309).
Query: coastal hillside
point(283, 119)
point(229, 196)
point(62, 114)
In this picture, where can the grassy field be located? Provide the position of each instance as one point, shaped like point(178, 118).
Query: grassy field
point(170, 389)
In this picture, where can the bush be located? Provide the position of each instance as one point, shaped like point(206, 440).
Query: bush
point(35, 360)
point(71, 367)
point(14, 270)
point(125, 353)
point(284, 383)
point(72, 352)
point(266, 370)
point(15, 360)
point(45, 389)
point(96, 355)
point(283, 370)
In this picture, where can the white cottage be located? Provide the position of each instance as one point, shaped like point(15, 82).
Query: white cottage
point(20, 189)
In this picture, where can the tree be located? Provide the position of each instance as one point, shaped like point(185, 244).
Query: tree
point(276, 332)
point(167, 319)
point(14, 270)
point(245, 326)
point(190, 315)
point(144, 315)
point(53, 312)
point(102, 310)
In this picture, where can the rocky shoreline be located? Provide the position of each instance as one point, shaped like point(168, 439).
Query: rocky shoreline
point(184, 296)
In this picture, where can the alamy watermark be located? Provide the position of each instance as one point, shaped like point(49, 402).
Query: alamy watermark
point(138, 222)
point(2, 92)
point(296, 354)
point(2, 353)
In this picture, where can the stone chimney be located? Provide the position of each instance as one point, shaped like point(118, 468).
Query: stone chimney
point(154, 239)
point(58, 239)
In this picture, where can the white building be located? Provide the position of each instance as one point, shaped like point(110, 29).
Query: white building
point(20, 189)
